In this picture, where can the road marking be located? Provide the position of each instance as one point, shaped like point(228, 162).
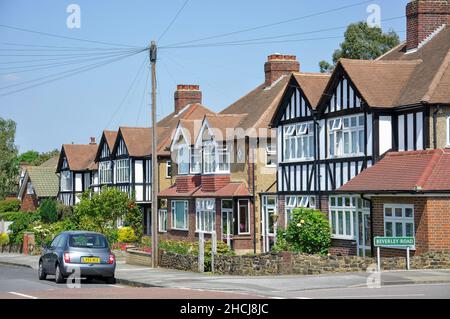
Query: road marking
point(306, 298)
point(116, 286)
point(22, 295)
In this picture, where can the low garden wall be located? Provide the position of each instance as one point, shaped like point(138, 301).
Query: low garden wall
point(289, 263)
point(11, 248)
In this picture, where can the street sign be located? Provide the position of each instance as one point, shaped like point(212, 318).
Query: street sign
point(394, 241)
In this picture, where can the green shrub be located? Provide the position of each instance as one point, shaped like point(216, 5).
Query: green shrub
point(64, 211)
point(307, 232)
point(47, 210)
point(12, 216)
point(4, 239)
point(23, 222)
point(126, 235)
point(9, 205)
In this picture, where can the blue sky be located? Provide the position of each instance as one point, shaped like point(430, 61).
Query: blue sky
point(75, 108)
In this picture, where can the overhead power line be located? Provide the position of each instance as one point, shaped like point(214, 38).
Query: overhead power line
point(173, 20)
point(272, 24)
point(63, 37)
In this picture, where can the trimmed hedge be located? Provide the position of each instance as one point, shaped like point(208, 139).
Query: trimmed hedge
point(12, 216)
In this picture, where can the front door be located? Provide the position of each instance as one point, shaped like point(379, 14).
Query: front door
point(269, 222)
point(363, 238)
point(227, 221)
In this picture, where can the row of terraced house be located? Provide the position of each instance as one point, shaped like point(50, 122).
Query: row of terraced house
point(366, 145)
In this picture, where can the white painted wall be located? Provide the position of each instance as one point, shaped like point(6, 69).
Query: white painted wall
point(385, 134)
point(411, 132)
point(78, 182)
point(401, 133)
point(419, 128)
point(139, 171)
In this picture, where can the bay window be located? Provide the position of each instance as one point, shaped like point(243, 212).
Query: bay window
point(122, 171)
point(215, 159)
point(66, 181)
point(183, 159)
point(398, 220)
point(243, 217)
point(162, 220)
point(292, 202)
point(180, 214)
point(346, 136)
point(343, 217)
point(205, 215)
point(299, 141)
point(105, 172)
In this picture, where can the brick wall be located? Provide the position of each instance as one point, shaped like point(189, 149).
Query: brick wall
point(438, 224)
point(212, 183)
point(29, 202)
point(424, 17)
point(186, 183)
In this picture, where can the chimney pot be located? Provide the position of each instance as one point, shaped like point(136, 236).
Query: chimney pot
point(92, 140)
point(278, 65)
point(187, 94)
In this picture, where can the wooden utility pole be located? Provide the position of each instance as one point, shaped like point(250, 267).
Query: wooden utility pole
point(153, 52)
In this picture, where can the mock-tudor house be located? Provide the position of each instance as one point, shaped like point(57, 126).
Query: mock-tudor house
point(38, 183)
point(77, 171)
point(103, 159)
point(409, 194)
point(398, 102)
point(225, 168)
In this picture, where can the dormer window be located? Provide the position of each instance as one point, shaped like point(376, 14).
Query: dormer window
point(196, 161)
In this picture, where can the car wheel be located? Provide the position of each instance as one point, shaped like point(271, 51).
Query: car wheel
point(59, 278)
point(41, 272)
point(110, 280)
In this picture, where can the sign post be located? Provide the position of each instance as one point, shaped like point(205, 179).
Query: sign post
point(390, 242)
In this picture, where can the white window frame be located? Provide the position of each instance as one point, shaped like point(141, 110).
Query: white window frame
point(292, 202)
point(212, 158)
point(205, 215)
point(105, 172)
point(169, 168)
point(398, 220)
point(162, 220)
point(271, 151)
point(337, 130)
point(448, 131)
point(183, 158)
point(345, 209)
point(186, 217)
point(195, 161)
point(239, 217)
point(298, 142)
point(30, 190)
point(122, 171)
point(66, 181)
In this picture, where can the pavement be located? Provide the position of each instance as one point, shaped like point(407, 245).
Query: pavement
point(286, 286)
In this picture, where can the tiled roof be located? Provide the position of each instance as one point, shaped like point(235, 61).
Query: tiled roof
point(138, 140)
point(232, 189)
point(190, 112)
point(312, 85)
point(222, 125)
point(44, 180)
point(381, 83)
point(52, 162)
point(259, 105)
point(413, 171)
point(435, 57)
point(80, 157)
point(110, 137)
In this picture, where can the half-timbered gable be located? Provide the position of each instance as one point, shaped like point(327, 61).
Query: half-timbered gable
point(105, 174)
point(76, 168)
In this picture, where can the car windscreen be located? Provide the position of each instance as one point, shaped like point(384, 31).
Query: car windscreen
point(87, 241)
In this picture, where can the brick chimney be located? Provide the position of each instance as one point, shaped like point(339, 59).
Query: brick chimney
point(187, 94)
point(92, 141)
point(423, 17)
point(278, 65)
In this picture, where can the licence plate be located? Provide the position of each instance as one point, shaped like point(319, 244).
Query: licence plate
point(90, 260)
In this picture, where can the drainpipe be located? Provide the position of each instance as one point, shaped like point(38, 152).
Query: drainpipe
point(254, 199)
point(435, 113)
point(372, 247)
point(316, 156)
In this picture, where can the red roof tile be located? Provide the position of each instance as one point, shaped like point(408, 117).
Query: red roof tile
point(414, 171)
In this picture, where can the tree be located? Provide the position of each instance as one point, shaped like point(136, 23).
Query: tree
point(47, 210)
point(8, 158)
point(35, 158)
point(362, 42)
point(101, 211)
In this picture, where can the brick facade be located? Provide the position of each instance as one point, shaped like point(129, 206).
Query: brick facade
point(185, 95)
point(212, 183)
point(186, 183)
point(279, 65)
point(29, 202)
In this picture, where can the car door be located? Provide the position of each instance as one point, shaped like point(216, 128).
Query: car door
point(52, 254)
